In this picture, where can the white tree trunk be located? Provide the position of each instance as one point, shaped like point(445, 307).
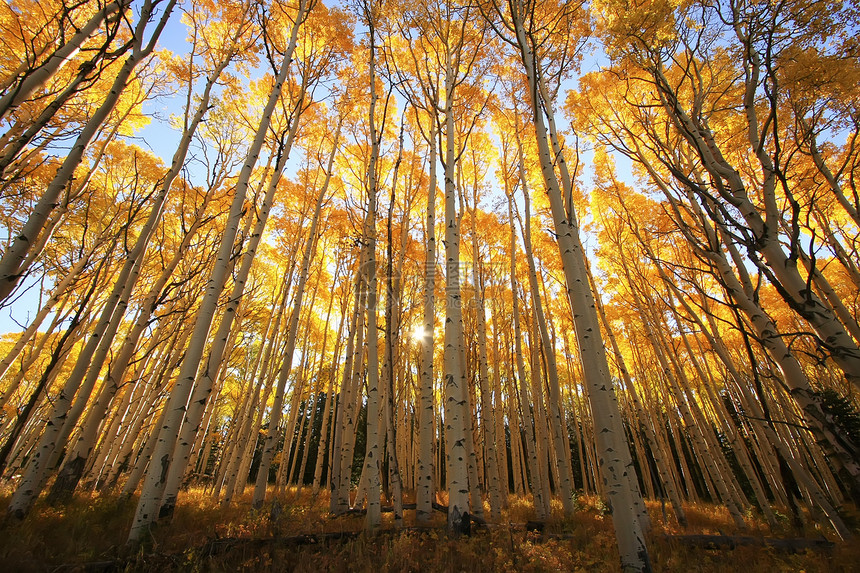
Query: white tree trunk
point(616, 476)
point(426, 411)
point(150, 500)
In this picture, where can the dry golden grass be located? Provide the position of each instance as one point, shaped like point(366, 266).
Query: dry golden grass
point(204, 536)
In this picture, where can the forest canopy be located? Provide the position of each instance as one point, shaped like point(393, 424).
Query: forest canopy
point(453, 251)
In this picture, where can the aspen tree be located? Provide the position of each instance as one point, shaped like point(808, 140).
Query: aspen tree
point(740, 451)
point(350, 397)
point(815, 493)
point(735, 279)
point(501, 448)
point(204, 383)
point(733, 435)
point(371, 13)
point(560, 440)
point(62, 347)
point(273, 432)
point(298, 475)
point(71, 472)
point(37, 463)
point(419, 84)
point(57, 294)
point(488, 413)
point(337, 504)
point(790, 368)
point(759, 38)
point(392, 324)
point(27, 361)
point(32, 76)
point(236, 435)
point(518, 455)
point(329, 417)
point(542, 446)
point(703, 441)
point(235, 472)
point(426, 487)
point(65, 411)
point(301, 408)
point(617, 477)
point(582, 421)
point(156, 476)
point(532, 452)
point(135, 418)
point(335, 357)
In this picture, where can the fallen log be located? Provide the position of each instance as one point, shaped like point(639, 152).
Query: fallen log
point(383, 509)
point(220, 546)
point(388, 509)
point(722, 542)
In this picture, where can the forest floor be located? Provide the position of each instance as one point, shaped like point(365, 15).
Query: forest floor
point(88, 534)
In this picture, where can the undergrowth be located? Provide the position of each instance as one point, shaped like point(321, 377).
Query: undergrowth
point(89, 533)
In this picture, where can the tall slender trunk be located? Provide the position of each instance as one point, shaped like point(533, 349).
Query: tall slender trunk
point(392, 326)
point(45, 308)
point(559, 428)
point(204, 383)
point(150, 499)
point(488, 415)
point(48, 374)
point(426, 491)
point(350, 396)
point(541, 501)
point(617, 477)
point(373, 454)
point(780, 268)
point(328, 427)
point(456, 399)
